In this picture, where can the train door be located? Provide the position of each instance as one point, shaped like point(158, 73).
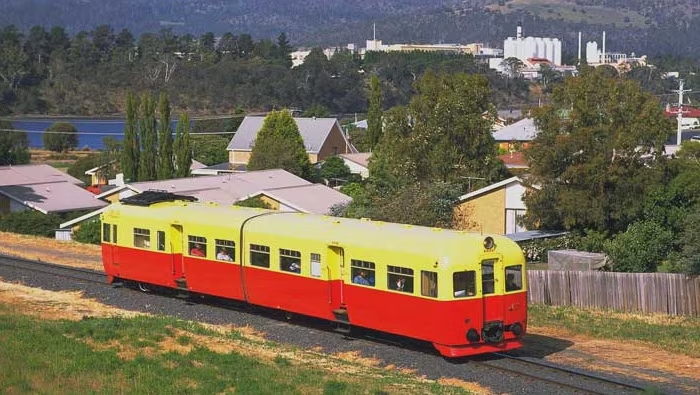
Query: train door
point(176, 251)
point(493, 310)
point(335, 272)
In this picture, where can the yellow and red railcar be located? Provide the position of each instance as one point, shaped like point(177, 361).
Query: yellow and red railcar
point(463, 292)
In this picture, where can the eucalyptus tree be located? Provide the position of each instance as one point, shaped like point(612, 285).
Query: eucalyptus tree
point(149, 139)
point(164, 170)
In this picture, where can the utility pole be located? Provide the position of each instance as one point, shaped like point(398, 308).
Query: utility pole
point(679, 115)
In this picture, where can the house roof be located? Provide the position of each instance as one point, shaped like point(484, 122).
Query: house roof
point(82, 218)
point(688, 112)
point(311, 198)
point(361, 158)
point(523, 130)
point(491, 187)
point(33, 174)
point(52, 197)
point(314, 131)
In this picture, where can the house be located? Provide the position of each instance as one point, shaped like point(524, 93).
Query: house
point(357, 162)
point(521, 132)
point(515, 161)
point(280, 189)
point(42, 188)
point(322, 137)
point(495, 209)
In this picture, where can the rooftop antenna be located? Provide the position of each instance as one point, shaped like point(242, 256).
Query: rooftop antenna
point(679, 115)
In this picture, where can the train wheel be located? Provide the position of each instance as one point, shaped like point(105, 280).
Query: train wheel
point(288, 316)
point(143, 288)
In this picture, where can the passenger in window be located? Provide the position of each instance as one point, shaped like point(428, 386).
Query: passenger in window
point(222, 255)
point(197, 250)
point(511, 285)
point(294, 267)
point(361, 278)
point(400, 283)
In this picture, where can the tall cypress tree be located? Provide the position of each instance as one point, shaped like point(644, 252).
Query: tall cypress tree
point(374, 113)
point(130, 153)
point(183, 147)
point(164, 170)
point(149, 144)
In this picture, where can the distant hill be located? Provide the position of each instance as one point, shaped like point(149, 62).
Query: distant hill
point(643, 26)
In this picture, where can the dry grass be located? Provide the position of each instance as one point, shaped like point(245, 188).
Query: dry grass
point(50, 250)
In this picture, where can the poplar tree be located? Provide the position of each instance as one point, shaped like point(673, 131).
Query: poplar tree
point(149, 144)
point(374, 113)
point(130, 153)
point(183, 147)
point(279, 145)
point(164, 170)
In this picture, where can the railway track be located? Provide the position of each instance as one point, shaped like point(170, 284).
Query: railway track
point(581, 382)
point(68, 272)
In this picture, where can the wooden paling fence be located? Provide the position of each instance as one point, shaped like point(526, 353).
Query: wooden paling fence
point(665, 293)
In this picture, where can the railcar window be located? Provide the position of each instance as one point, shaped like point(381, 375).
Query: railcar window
point(514, 278)
point(142, 238)
point(105, 233)
point(428, 284)
point(114, 234)
point(488, 285)
point(197, 246)
point(464, 284)
point(399, 278)
point(315, 265)
point(161, 240)
point(362, 272)
point(225, 250)
point(259, 255)
point(290, 261)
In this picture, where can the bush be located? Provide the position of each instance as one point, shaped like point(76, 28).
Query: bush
point(61, 137)
point(30, 222)
point(88, 232)
point(640, 249)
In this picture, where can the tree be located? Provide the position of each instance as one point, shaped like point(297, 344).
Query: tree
point(13, 58)
point(14, 145)
point(132, 147)
point(183, 147)
point(164, 170)
point(688, 260)
point(279, 145)
point(640, 249)
point(374, 113)
point(284, 50)
point(149, 139)
point(513, 66)
point(334, 168)
point(60, 137)
point(597, 153)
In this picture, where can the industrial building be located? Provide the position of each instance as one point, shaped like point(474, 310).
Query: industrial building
point(525, 48)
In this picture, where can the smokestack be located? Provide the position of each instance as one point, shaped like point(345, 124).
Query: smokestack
point(579, 47)
point(374, 32)
point(602, 60)
point(519, 31)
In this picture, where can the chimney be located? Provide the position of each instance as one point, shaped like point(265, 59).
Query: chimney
point(579, 47)
point(602, 60)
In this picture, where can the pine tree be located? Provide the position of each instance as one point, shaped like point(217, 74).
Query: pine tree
point(183, 147)
point(279, 145)
point(164, 170)
point(130, 153)
point(149, 143)
point(374, 113)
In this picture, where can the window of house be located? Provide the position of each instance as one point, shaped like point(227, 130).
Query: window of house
point(514, 278)
point(399, 279)
point(362, 272)
point(428, 284)
point(105, 233)
point(290, 261)
point(161, 240)
point(259, 255)
point(315, 265)
point(464, 283)
point(225, 250)
point(197, 246)
point(335, 150)
point(142, 238)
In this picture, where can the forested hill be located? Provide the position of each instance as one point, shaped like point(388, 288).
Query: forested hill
point(642, 26)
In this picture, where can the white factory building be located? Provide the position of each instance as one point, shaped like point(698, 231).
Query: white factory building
point(525, 48)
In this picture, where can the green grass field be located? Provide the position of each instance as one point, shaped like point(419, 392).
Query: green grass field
point(569, 11)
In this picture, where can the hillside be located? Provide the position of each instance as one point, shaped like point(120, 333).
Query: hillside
point(641, 26)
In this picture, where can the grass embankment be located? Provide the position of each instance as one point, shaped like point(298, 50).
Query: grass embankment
point(675, 334)
point(146, 354)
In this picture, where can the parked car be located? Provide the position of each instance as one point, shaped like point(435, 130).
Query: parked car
point(695, 138)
